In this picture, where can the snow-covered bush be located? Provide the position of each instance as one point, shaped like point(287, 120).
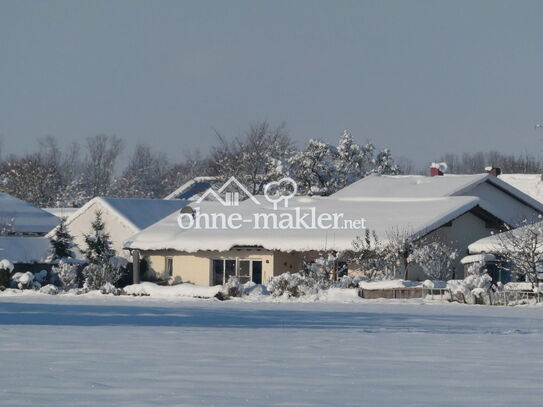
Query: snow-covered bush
point(350, 281)
point(6, 267)
point(49, 289)
point(66, 274)
point(97, 275)
point(472, 289)
point(233, 287)
point(24, 281)
point(295, 285)
point(175, 280)
point(436, 259)
point(368, 253)
point(41, 277)
point(109, 288)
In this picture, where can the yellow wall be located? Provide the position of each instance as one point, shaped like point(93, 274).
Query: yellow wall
point(196, 267)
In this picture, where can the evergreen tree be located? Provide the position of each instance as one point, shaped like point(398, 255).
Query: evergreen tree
point(103, 268)
point(98, 244)
point(62, 242)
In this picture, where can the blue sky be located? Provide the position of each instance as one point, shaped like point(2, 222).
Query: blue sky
point(421, 77)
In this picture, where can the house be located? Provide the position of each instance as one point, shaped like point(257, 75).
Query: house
point(456, 209)
point(496, 196)
point(27, 253)
point(122, 218)
point(21, 218)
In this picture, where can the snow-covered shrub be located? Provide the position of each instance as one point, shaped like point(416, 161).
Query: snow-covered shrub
point(295, 285)
point(368, 254)
point(436, 259)
point(233, 287)
point(41, 277)
point(109, 288)
point(254, 290)
point(24, 281)
point(49, 289)
point(97, 275)
point(66, 274)
point(350, 281)
point(174, 280)
point(6, 267)
point(472, 289)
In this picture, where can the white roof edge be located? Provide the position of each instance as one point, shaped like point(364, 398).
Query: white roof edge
point(188, 184)
point(85, 207)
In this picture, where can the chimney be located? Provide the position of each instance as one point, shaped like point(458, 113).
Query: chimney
point(493, 170)
point(437, 169)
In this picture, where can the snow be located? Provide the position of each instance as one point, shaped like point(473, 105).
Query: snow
point(418, 216)
point(24, 249)
point(475, 258)
point(387, 284)
point(24, 217)
point(411, 186)
point(493, 244)
point(180, 290)
point(137, 351)
point(530, 184)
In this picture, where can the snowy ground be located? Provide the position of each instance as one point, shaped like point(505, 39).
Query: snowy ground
point(125, 351)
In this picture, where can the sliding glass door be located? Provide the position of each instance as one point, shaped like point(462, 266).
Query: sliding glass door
point(245, 269)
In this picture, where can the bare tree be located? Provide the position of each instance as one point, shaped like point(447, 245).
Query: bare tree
point(143, 176)
point(522, 248)
point(255, 159)
point(398, 250)
point(102, 154)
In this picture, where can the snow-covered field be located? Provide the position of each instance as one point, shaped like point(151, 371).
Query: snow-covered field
point(128, 351)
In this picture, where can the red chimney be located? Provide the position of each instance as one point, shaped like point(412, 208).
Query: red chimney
point(437, 169)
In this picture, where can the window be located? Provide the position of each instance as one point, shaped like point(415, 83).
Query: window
point(169, 266)
point(245, 269)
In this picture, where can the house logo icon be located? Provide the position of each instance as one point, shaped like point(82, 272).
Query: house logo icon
point(228, 194)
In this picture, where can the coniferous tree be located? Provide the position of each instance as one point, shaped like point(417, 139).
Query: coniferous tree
point(103, 269)
point(62, 242)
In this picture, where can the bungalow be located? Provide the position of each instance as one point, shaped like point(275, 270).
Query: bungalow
point(456, 209)
point(122, 218)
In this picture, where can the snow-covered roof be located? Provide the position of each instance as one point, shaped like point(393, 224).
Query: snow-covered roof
point(24, 217)
point(419, 186)
point(411, 186)
point(417, 216)
point(136, 214)
point(61, 212)
point(191, 190)
point(19, 249)
point(474, 258)
point(530, 184)
point(492, 244)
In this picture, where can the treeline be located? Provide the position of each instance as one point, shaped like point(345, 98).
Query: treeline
point(70, 176)
point(475, 163)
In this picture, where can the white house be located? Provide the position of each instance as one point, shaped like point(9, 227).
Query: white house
point(122, 218)
point(454, 209)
